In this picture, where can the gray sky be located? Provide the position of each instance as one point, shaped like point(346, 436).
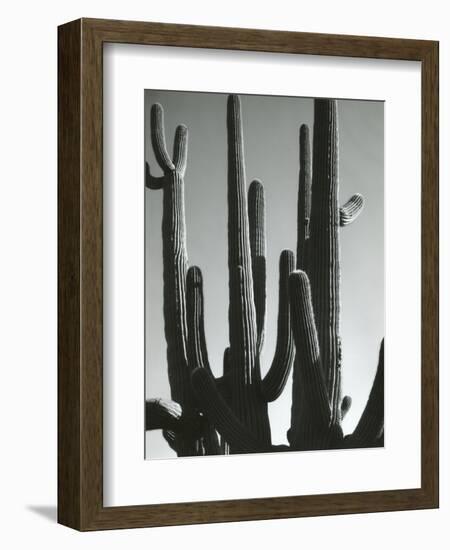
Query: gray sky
point(271, 125)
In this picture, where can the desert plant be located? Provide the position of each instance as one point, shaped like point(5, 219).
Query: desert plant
point(185, 441)
point(235, 405)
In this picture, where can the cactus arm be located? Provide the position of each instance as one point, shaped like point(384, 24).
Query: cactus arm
point(307, 368)
point(351, 210)
point(304, 197)
point(273, 383)
point(153, 182)
point(207, 442)
point(223, 382)
point(180, 147)
point(323, 253)
point(159, 140)
point(164, 414)
point(345, 406)
point(240, 438)
point(256, 218)
point(197, 351)
point(370, 427)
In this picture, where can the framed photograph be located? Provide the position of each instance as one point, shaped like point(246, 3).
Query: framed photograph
point(248, 274)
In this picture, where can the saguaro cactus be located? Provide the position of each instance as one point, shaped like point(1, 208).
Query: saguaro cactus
point(175, 265)
point(317, 404)
point(235, 405)
point(248, 394)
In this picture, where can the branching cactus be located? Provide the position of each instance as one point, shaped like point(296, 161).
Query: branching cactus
point(175, 264)
point(238, 405)
point(317, 404)
point(235, 405)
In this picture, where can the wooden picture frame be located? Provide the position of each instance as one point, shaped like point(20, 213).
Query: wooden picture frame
point(80, 272)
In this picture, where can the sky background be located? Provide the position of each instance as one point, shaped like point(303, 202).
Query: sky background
point(271, 127)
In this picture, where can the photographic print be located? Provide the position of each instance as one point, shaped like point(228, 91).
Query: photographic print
point(264, 274)
point(230, 259)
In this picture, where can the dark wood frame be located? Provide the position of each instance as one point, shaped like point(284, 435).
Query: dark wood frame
point(80, 414)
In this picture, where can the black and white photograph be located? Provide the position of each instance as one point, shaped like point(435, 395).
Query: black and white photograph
point(264, 274)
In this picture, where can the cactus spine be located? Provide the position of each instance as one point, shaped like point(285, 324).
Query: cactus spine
point(235, 405)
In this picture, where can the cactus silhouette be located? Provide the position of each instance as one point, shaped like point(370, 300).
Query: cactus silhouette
point(235, 405)
point(175, 265)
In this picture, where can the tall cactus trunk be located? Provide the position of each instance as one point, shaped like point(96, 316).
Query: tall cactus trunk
point(323, 264)
point(304, 198)
point(246, 400)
